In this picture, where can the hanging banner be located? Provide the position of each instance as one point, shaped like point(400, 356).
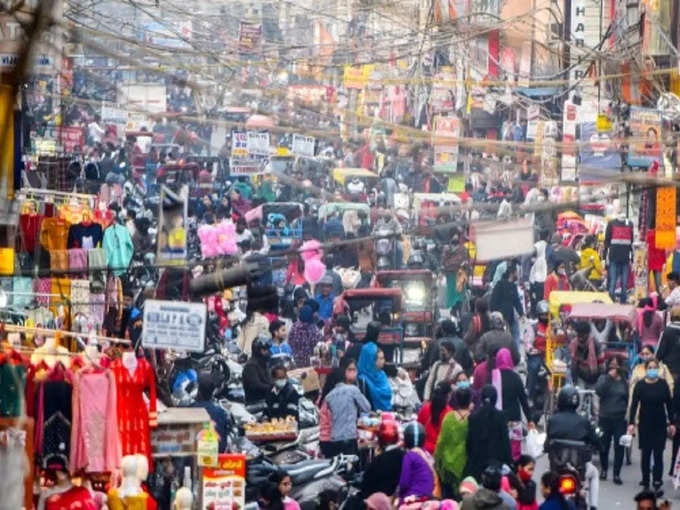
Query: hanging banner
point(640, 272)
point(353, 78)
point(172, 236)
point(599, 156)
point(303, 145)
point(645, 125)
point(249, 36)
point(569, 122)
point(239, 144)
point(224, 486)
point(446, 147)
point(533, 112)
point(665, 218)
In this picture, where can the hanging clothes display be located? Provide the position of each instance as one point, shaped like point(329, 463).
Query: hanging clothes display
point(134, 420)
point(119, 248)
point(12, 384)
point(95, 441)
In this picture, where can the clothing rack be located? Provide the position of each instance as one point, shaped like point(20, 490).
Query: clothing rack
point(51, 332)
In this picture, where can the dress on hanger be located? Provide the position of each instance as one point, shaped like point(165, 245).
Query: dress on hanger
point(53, 423)
point(134, 419)
point(95, 442)
point(86, 235)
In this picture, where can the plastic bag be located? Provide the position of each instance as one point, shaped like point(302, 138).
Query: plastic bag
point(535, 442)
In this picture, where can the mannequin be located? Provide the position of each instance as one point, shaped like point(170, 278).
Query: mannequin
point(618, 250)
point(184, 499)
point(130, 495)
point(50, 353)
point(130, 362)
point(64, 495)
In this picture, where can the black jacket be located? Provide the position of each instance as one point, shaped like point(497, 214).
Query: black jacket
point(669, 348)
point(613, 397)
point(514, 396)
point(281, 404)
point(570, 426)
point(256, 380)
point(505, 299)
point(382, 474)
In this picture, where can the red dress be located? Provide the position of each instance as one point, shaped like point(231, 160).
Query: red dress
point(134, 419)
point(431, 430)
point(76, 498)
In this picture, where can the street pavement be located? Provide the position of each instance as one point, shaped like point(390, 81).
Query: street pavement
point(621, 496)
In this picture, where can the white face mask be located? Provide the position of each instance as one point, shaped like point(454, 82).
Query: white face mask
point(280, 383)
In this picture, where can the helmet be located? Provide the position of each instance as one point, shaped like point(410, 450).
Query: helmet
point(414, 435)
point(388, 433)
point(496, 320)
point(542, 308)
point(260, 343)
point(568, 399)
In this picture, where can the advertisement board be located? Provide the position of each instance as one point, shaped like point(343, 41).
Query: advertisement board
point(175, 325)
point(71, 138)
point(224, 486)
point(446, 130)
point(599, 156)
point(303, 145)
point(645, 126)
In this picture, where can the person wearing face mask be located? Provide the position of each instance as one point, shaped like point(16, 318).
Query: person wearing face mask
point(556, 280)
point(282, 399)
point(444, 370)
point(613, 392)
point(256, 380)
point(653, 398)
point(462, 382)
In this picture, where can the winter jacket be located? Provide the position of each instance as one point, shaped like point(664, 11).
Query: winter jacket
point(119, 248)
point(618, 240)
point(282, 403)
point(493, 341)
point(613, 397)
point(346, 403)
point(483, 499)
point(505, 299)
point(382, 474)
point(669, 348)
point(256, 380)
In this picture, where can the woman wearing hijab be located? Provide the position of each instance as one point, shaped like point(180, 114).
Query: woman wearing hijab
point(487, 438)
point(450, 455)
point(303, 336)
point(372, 376)
point(509, 386)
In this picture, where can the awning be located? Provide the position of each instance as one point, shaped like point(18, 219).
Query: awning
point(538, 91)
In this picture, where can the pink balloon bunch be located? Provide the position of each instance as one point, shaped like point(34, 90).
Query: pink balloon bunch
point(218, 239)
point(311, 254)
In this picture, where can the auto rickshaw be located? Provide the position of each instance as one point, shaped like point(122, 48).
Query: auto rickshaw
point(426, 205)
point(174, 175)
point(418, 311)
point(561, 304)
point(343, 176)
point(623, 318)
point(366, 305)
point(326, 210)
point(280, 221)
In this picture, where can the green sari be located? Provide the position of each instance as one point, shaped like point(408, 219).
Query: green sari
point(450, 455)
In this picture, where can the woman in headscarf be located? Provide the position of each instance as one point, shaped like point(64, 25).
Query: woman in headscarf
point(371, 374)
point(487, 438)
point(509, 386)
point(450, 455)
point(650, 323)
point(303, 337)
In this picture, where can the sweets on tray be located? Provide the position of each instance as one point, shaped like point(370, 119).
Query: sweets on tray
point(275, 429)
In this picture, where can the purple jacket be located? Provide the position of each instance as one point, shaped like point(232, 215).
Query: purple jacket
point(416, 476)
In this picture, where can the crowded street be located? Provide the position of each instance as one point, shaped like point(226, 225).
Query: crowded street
point(362, 255)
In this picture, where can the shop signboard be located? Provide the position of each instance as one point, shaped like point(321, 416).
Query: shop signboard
point(446, 132)
point(501, 240)
point(257, 143)
point(239, 144)
point(224, 486)
point(569, 122)
point(247, 167)
point(303, 145)
point(533, 113)
point(645, 125)
point(599, 156)
point(353, 78)
point(174, 325)
point(71, 138)
point(309, 93)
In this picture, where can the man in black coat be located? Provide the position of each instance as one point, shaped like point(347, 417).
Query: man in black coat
point(256, 380)
point(505, 299)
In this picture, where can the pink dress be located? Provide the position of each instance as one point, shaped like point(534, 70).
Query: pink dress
point(95, 442)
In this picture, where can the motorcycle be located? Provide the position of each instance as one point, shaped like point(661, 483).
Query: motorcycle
point(311, 478)
point(568, 459)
